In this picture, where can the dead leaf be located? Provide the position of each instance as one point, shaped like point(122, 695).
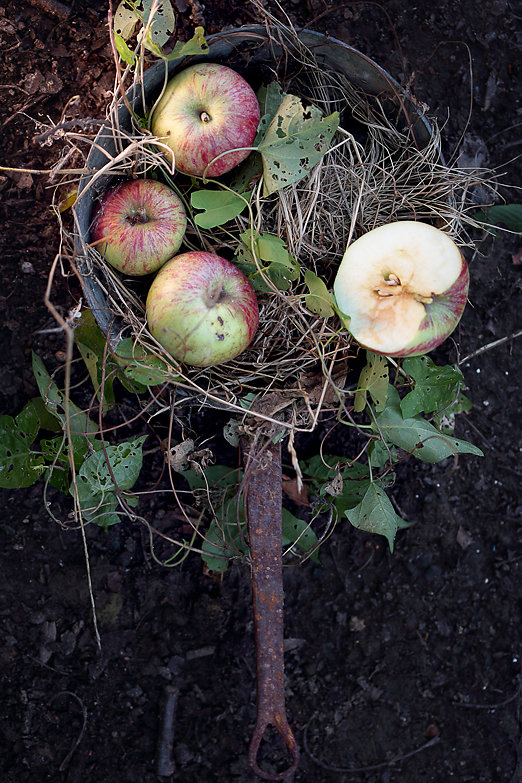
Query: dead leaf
point(464, 539)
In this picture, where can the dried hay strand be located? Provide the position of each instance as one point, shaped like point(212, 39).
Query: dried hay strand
point(374, 172)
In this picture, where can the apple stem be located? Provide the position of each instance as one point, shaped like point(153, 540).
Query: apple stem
point(138, 215)
point(205, 116)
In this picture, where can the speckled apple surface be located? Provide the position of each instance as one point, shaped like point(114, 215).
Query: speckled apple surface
point(404, 286)
point(202, 309)
point(206, 110)
point(138, 226)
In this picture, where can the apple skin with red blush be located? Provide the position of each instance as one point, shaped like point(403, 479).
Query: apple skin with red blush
point(207, 110)
point(202, 309)
point(138, 225)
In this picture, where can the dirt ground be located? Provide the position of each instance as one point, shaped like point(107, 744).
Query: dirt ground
point(403, 667)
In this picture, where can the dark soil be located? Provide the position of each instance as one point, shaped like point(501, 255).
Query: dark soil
point(384, 652)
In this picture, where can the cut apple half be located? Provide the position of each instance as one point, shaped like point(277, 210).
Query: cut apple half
point(404, 287)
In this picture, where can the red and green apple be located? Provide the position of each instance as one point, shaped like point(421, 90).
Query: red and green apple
point(202, 309)
point(138, 225)
point(207, 110)
point(404, 287)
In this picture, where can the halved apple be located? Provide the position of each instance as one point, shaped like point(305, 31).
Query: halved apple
point(404, 286)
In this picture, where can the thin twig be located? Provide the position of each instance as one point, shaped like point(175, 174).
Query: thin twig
point(489, 346)
point(371, 767)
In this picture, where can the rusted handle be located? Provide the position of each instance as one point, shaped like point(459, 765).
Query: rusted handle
point(264, 522)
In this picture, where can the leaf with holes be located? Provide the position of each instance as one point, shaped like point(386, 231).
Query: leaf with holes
point(319, 300)
point(375, 514)
point(269, 96)
point(19, 465)
point(97, 488)
point(294, 142)
point(417, 436)
point(373, 380)
point(219, 207)
point(125, 21)
point(436, 388)
point(162, 22)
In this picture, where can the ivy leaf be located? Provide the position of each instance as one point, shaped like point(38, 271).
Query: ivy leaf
point(219, 207)
point(373, 380)
point(417, 436)
point(508, 215)
point(274, 258)
point(297, 531)
point(318, 300)
point(19, 466)
point(294, 142)
point(375, 514)
point(436, 388)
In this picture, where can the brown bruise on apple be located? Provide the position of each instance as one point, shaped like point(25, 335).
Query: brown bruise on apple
point(403, 287)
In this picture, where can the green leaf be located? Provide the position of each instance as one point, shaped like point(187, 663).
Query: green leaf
point(373, 379)
point(294, 142)
point(28, 422)
point(508, 215)
point(163, 22)
point(274, 259)
point(436, 388)
point(270, 96)
point(54, 401)
point(125, 20)
point(197, 45)
point(445, 420)
point(126, 54)
point(19, 466)
point(219, 207)
point(375, 514)
point(297, 531)
point(220, 476)
point(318, 300)
point(97, 487)
point(417, 436)
point(141, 368)
point(380, 454)
point(92, 345)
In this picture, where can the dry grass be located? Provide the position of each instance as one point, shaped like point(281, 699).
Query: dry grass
point(373, 173)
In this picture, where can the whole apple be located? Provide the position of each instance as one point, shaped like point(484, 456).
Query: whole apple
point(138, 225)
point(202, 309)
point(404, 286)
point(206, 110)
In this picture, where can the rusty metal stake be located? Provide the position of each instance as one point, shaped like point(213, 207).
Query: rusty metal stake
point(264, 521)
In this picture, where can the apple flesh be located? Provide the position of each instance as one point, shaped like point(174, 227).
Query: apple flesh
point(138, 225)
point(404, 286)
point(206, 110)
point(202, 309)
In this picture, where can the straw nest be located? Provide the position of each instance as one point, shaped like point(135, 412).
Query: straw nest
point(375, 171)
